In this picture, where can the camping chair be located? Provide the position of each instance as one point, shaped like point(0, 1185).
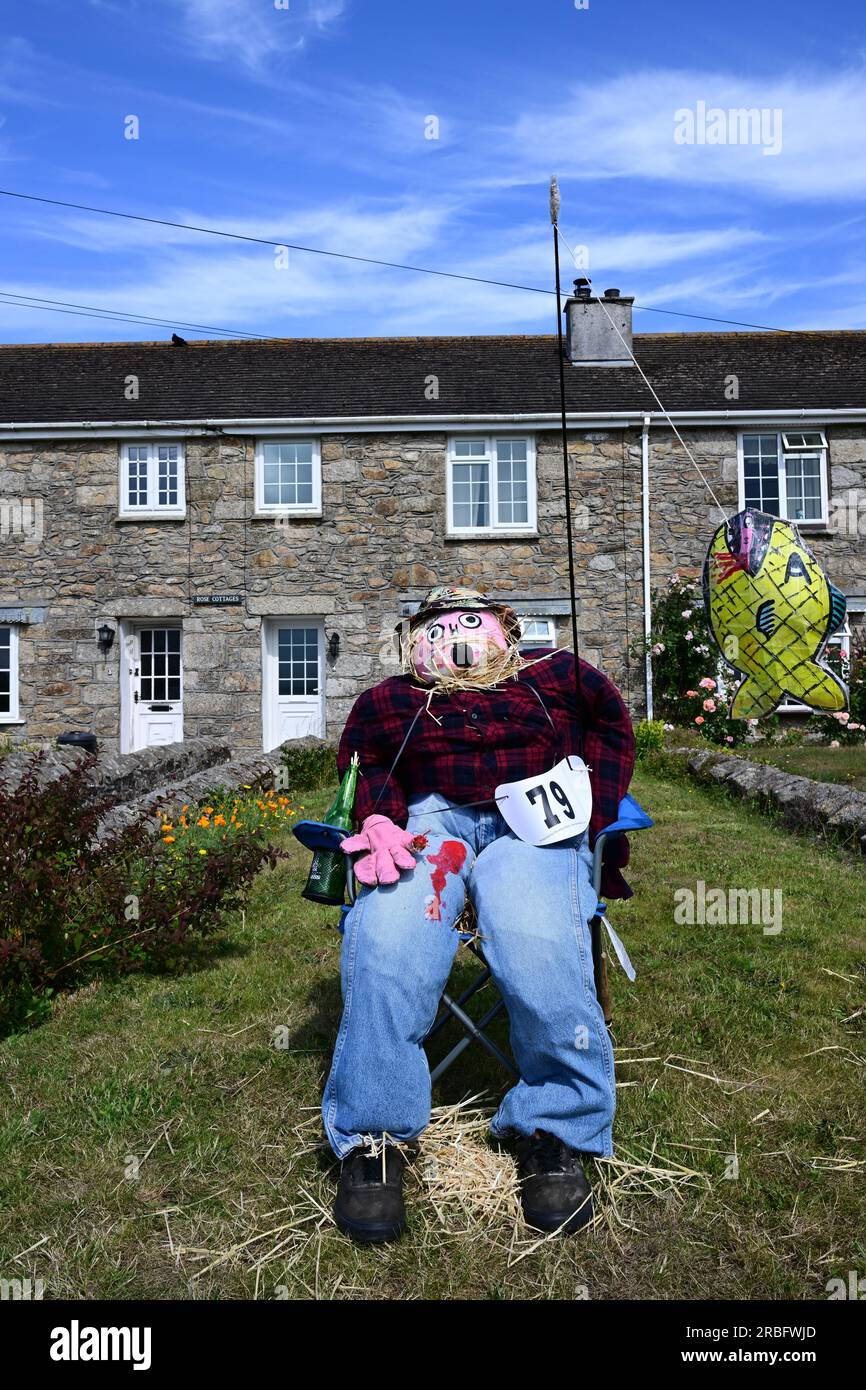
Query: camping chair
point(317, 835)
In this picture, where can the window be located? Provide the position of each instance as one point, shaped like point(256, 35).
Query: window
point(8, 675)
point(537, 632)
point(491, 486)
point(151, 480)
point(298, 660)
point(785, 475)
point(288, 477)
point(160, 664)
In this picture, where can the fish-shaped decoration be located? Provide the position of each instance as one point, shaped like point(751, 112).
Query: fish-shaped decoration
point(772, 609)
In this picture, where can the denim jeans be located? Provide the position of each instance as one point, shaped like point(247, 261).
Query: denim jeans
point(533, 907)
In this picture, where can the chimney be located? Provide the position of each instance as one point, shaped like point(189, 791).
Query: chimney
point(592, 339)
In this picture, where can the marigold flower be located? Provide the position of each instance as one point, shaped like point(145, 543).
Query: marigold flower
point(203, 821)
point(219, 820)
point(168, 840)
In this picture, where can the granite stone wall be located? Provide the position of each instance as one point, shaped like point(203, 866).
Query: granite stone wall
point(380, 542)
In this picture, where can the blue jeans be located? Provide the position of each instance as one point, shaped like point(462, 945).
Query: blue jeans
point(533, 907)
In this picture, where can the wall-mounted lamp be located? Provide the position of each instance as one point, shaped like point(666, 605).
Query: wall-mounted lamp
point(333, 646)
point(105, 638)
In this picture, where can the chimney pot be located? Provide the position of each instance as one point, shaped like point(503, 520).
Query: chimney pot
point(611, 294)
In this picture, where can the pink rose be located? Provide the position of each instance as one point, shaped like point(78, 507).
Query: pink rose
point(707, 683)
point(710, 706)
point(691, 693)
point(699, 719)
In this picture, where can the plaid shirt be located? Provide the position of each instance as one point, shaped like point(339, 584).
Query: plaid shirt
point(480, 738)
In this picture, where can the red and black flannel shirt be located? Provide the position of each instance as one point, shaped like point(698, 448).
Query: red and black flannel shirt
point(480, 738)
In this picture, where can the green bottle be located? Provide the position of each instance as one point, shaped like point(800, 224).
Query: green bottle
point(326, 882)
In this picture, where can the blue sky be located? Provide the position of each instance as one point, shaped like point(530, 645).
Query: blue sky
point(308, 124)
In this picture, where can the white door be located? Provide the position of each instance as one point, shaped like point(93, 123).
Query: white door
point(293, 680)
point(156, 685)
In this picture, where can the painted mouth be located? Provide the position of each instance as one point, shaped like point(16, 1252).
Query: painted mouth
point(462, 655)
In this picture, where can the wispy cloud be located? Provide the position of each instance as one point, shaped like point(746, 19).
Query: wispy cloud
point(252, 32)
point(625, 128)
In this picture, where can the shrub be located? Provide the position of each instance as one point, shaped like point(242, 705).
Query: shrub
point(72, 908)
point(307, 768)
point(649, 736)
point(681, 646)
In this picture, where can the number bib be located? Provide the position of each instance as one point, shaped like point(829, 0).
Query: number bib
point(554, 806)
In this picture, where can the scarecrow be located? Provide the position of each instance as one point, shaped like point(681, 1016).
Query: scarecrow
point(456, 800)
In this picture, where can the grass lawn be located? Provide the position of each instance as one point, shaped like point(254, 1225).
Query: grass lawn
point(159, 1137)
point(847, 766)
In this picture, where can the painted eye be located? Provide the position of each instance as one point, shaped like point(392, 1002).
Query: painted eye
point(435, 633)
point(469, 620)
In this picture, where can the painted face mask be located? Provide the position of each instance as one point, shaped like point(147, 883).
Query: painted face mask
point(463, 643)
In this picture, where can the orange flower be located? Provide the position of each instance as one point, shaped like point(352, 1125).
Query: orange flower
point(219, 820)
point(203, 821)
point(168, 840)
point(699, 719)
point(208, 810)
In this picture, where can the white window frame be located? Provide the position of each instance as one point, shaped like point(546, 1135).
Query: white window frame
point(152, 510)
point(313, 508)
point(784, 452)
point(527, 644)
point(12, 716)
point(496, 527)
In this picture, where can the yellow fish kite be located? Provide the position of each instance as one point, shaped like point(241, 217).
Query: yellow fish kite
point(772, 609)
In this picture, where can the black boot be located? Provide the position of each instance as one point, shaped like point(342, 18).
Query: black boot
point(553, 1185)
point(369, 1202)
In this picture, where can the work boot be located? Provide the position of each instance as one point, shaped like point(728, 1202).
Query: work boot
point(553, 1185)
point(369, 1203)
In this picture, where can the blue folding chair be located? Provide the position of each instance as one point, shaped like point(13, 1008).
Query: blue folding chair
point(318, 835)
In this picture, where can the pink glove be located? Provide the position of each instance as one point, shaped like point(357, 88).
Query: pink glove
point(389, 851)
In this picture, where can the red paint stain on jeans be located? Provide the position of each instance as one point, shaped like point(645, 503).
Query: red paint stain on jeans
point(448, 860)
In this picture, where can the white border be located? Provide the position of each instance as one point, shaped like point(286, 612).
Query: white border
point(150, 513)
point(814, 523)
point(313, 508)
point(496, 528)
point(12, 717)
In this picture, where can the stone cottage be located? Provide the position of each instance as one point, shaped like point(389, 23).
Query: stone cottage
point(219, 537)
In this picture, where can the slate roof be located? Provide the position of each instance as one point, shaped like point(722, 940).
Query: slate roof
point(315, 377)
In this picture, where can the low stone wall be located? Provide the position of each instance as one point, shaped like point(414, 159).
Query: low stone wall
point(171, 776)
point(118, 777)
point(823, 807)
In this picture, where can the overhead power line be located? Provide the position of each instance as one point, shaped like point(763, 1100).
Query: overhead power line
point(347, 256)
point(93, 311)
